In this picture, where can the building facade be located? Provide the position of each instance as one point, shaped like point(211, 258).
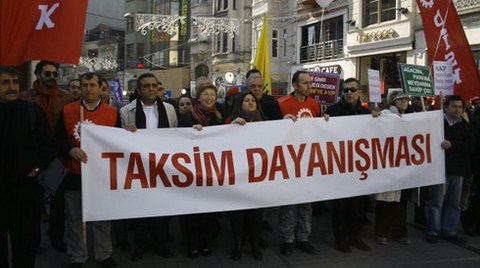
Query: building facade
point(349, 37)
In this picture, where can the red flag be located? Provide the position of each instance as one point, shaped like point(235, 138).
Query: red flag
point(446, 41)
point(41, 30)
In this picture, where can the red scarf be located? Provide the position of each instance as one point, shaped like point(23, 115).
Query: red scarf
point(48, 98)
point(200, 114)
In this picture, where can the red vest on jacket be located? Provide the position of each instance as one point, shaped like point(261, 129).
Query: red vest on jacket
point(103, 115)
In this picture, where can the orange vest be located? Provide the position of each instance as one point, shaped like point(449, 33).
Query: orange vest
point(103, 115)
point(290, 105)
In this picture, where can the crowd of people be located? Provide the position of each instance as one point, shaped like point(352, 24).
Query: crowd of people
point(43, 123)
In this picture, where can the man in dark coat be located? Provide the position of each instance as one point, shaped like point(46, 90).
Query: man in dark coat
point(348, 214)
point(26, 147)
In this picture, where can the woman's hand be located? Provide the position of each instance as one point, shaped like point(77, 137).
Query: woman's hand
point(239, 121)
point(198, 127)
point(326, 117)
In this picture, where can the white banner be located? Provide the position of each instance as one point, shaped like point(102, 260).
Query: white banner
point(264, 164)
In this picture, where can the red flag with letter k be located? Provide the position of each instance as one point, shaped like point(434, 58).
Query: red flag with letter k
point(41, 30)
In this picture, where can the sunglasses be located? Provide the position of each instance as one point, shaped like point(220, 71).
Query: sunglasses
point(351, 89)
point(50, 74)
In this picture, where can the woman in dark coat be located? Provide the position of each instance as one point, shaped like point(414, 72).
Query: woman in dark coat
point(198, 228)
point(246, 223)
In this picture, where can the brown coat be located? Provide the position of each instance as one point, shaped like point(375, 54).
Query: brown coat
point(63, 97)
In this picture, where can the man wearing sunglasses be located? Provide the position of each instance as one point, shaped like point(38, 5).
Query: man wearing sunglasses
point(51, 99)
point(348, 214)
point(45, 91)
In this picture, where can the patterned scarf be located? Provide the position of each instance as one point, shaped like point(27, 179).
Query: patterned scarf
point(201, 114)
point(48, 98)
point(254, 116)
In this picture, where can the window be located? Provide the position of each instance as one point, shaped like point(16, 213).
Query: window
point(219, 43)
point(284, 39)
point(275, 43)
point(378, 11)
point(320, 42)
point(93, 53)
point(233, 44)
point(130, 56)
point(130, 23)
point(222, 4)
point(225, 43)
point(140, 51)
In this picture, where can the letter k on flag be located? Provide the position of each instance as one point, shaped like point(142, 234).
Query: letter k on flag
point(41, 30)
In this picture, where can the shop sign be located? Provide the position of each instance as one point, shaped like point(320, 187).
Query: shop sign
point(337, 69)
point(376, 35)
point(416, 80)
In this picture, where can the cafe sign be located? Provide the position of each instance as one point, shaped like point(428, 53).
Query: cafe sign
point(376, 35)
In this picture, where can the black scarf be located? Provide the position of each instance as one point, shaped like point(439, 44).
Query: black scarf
point(141, 121)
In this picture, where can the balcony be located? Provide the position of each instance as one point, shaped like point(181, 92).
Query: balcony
point(467, 6)
point(321, 51)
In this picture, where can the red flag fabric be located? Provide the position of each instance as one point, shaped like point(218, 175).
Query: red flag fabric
point(41, 30)
point(446, 41)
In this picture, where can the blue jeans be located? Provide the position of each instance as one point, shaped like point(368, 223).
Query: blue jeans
point(444, 207)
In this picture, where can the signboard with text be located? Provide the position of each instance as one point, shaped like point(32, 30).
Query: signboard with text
point(443, 76)
point(417, 80)
point(374, 86)
point(325, 87)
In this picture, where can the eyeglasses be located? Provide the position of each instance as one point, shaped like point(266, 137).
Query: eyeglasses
point(351, 89)
point(50, 74)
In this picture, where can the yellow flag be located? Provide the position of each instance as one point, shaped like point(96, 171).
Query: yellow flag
point(262, 57)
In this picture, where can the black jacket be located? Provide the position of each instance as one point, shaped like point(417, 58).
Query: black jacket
point(26, 140)
point(270, 107)
point(457, 157)
point(343, 108)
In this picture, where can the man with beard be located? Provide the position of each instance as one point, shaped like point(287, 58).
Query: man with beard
point(45, 91)
point(26, 147)
point(74, 88)
point(51, 99)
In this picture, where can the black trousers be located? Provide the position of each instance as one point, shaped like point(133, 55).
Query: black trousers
point(198, 230)
point(150, 232)
point(471, 217)
point(246, 223)
point(391, 219)
point(57, 214)
point(347, 218)
point(23, 208)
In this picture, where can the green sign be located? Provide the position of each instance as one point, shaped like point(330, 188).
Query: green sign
point(417, 80)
